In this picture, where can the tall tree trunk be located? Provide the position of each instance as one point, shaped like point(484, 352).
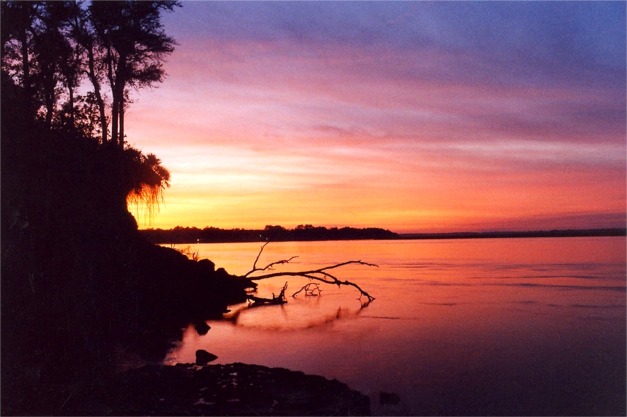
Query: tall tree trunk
point(96, 83)
point(114, 118)
point(114, 105)
point(71, 92)
point(118, 99)
point(117, 114)
point(49, 98)
point(121, 114)
point(103, 116)
point(49, 111)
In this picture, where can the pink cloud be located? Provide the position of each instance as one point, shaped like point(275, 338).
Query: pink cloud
point(264, 132)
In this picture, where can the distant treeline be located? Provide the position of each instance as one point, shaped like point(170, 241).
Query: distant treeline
point(513, 234)
point(309, 232)
point(271, 233)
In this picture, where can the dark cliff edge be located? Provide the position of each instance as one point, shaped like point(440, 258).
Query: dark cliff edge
point(81, 284)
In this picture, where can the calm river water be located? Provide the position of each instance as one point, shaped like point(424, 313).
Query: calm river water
point(467, 327)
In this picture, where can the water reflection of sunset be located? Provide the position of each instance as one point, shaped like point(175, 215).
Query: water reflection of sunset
point(470, 321)
point(288, 115)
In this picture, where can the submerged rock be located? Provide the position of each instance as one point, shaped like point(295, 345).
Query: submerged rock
point(202, 328)
point(203, 357)
point(389, 398)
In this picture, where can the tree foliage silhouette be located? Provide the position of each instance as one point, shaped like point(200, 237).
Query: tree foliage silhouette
point(135, 45)
point(49, 47)
point(18, 32)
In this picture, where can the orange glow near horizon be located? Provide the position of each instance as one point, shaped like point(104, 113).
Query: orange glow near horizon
point(274, 129)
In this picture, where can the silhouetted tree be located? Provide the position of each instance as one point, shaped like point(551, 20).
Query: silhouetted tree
point(55, 66)
point(18, 31)
point(135, 45)
point(48, 47)
point(86, 116)
point(94, 67)
point(41, 56)
point(72, 67)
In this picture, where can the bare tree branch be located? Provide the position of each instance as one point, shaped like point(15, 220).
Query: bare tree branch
point(312, 290)
point(270, 265)
point(320, 274)
point(259, 301)
point(257, 259)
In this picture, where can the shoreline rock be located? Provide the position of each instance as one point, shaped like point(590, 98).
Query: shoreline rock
point(232, 389)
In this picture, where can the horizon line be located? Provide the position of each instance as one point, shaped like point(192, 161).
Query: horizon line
point(622, 229)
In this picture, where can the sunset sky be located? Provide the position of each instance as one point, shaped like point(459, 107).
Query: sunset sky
point(412, 116)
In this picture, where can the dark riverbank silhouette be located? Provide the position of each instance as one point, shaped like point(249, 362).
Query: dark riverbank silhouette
point(82, 288)
point(85, 296)
point(311, 233)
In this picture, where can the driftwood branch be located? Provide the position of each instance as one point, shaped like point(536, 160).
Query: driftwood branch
point(311, 290)
point(269, 266)
point(275, 300)
point(320, 274)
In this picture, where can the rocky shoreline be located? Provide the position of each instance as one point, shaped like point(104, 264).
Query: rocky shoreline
point(189, 389)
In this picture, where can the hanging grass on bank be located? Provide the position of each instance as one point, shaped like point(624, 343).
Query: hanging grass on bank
point(150, 179)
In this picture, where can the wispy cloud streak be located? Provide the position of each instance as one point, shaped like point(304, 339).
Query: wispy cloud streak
point(399, 114)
